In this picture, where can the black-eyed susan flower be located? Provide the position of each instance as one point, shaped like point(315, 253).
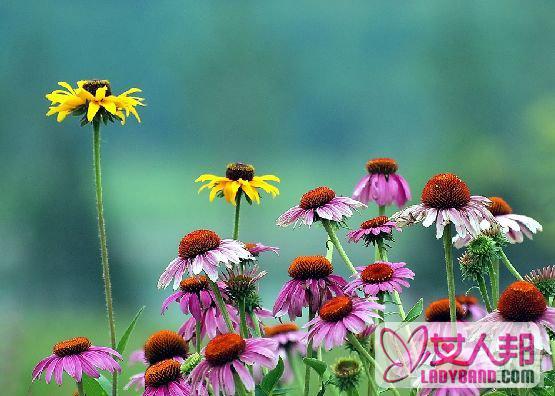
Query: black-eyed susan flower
point(238, 177)
point(93, 100)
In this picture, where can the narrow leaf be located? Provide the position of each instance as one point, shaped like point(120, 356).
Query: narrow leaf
point(415, 311)
point(125, 338)
point(319, 366)
point(271, 379)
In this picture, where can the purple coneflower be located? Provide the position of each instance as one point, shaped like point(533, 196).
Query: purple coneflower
point(319, 203)
point(193, 296)
point(382, 184)
point(76, 356)
point(374, 230)
point(163, 345)
point(471, 305)
point(212, 322)
point(228, 354)
point(202, 250)
point(255, 248)
point(136, 381)
point(312, 284)
point(164, 378)
point(446, 199)
point(514, 226)
point(379, 277)
point(523, 302)
point(339, 316)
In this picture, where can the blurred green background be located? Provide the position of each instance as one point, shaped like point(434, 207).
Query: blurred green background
point(305, 90)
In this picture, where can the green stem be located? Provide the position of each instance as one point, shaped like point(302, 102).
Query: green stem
point(104, 245)
point(80, 388)
point(381, 210)
point(293, 362)
point(257, 332)
point(239, 387)
point(237, 212)
point(448, 249)
point(221, 304)
point(484, 292)
point(497, 277)
point(364, 355)
point(329, 250)
point(509, 266)
point(381, 253)
point(243, 319)
point(493, 282)
point(397, 299)
point(552, 342)
point(198, 336)
point(309, 351)
point(333, 238)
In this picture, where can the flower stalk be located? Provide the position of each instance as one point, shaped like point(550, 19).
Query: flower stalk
point(311, 315)
point(484, 292)
point(221, 304)
point(448, 249)
point(237, 213)
point(198, 331)
point(103, 243)
point(509, 266)
point(333, 238)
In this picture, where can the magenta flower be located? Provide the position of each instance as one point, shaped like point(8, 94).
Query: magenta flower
point(312, 284)
point(193, 296)
point(379, 277)
point(212, 323)
point(468, 390)
point(446, 199)
point(473, 310)
point(340, 315)
point(203, 250)
point(137, 356)
point(382, 184)
point(136, 382)
point(164, 378)
point(320, 203)
point(374, 230)
point(75, 357)
point(523, 302)
point(255, 248)
point(227, 354)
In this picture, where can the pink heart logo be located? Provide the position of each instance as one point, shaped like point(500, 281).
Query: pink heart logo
point(447, 347)
point(405, 356)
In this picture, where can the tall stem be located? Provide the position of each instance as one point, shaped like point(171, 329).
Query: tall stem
point(397, 299)
point(381, 210)
point(243, 319)
point(365, 356)
point(493, 277)
point(333, 238)
point(309, 351)
point(293, 362)
point(509, 266)
point(104, 245)
point(329, 250)
point(484, 292)
point(448, 248)
point(497, 277)
point(237, 212)
point(221, 304)
point(80, 390)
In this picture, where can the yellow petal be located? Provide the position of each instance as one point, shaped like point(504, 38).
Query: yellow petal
point(100, 93)
point(230, 191)
point(251, 192)
point(66, 86)
point(208, 176)
point(92, 110)
point(109, 105)
point(266, 187)
point(130, 91)
point(62, 115)
point(267, 177)
point(83, 93)
point(215, 191)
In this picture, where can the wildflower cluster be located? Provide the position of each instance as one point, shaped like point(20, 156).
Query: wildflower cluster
point(230, 344)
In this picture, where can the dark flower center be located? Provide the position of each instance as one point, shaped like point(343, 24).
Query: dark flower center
point(162, 373)
point(521, 302)
point(92, 85)
point(239, 170)
point(499, 206)
point(310, 267)
point(194, 284)
point(316, 198)
point(164, 344)
point(71, 347)
point(376, 273)
point(445, 191)
point(224, 348)
point(467, 300)
point(375, 222)
point(384, 166)
point(198, 242)
point(336, 309)
point(282, 328)
point(438, 311)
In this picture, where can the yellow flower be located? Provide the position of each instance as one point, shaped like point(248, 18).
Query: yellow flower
point(238, 176)
point(94, 100)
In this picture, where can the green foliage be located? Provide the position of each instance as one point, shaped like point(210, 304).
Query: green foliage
point(125, 338)
point(415, 311)
point(271, 379)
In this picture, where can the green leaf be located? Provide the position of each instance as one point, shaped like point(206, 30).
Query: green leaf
point(319, 366)
point(92, 387)
point(125, 338)
point(415, 311)
point(271, 379)
point(495, 393)
point(105, 383)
